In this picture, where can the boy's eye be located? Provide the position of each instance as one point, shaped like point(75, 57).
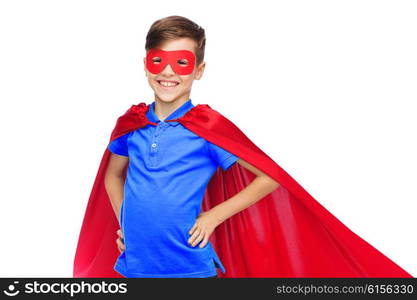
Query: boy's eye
point(156, 60)
point(183, 62)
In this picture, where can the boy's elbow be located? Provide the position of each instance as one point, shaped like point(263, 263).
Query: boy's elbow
point(275, 184)
point(271, 183)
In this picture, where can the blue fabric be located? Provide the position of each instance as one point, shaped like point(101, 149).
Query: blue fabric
point(168, 172)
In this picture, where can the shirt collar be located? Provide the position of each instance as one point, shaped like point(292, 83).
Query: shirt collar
point(179, 112)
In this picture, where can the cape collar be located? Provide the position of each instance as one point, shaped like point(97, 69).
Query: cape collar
point(136, 117)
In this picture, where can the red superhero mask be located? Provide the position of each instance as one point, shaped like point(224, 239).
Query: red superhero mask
point(181, 61)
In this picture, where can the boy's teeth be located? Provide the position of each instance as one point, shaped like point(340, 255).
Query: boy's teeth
point(165, 83)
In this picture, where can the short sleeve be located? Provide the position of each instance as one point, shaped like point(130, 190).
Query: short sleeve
point(119, 145)
point(221, 157)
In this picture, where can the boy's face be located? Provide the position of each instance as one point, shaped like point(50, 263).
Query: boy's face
point(183, 83)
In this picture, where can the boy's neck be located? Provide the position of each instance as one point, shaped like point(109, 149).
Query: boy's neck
point(164, 109)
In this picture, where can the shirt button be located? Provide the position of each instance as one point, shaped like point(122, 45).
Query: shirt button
point(153, 145)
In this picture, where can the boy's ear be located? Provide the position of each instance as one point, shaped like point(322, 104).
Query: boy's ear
point(200, 70)
point(144, 66)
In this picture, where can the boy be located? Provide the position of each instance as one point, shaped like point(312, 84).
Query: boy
point(169, 169)
point(172, 150)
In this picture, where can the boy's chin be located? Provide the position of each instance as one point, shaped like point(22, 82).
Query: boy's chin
point(167, 98)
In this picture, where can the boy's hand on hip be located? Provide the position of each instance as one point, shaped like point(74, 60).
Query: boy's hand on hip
point(203, 228)
point(120, 241)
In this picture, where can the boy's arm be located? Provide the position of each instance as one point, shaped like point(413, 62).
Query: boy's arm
point(261, 186)
point(114, 181)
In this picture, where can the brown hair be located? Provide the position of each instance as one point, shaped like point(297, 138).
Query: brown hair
point(173, 27)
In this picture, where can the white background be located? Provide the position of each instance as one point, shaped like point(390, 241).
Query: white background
point(326, 88)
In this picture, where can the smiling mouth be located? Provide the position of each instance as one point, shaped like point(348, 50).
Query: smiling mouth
point(168, 84)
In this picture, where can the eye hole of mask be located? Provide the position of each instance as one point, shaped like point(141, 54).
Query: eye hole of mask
point(156, 60)
point(183, 62)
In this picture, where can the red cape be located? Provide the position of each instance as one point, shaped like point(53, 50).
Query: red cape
point(285, 234)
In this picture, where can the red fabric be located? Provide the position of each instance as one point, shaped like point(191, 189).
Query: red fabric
point(172, 58)
point(285, 234)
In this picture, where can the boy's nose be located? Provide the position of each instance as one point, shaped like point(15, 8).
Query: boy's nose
point(168, 70)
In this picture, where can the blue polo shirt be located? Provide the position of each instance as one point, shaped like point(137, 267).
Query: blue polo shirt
point(168, 172)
